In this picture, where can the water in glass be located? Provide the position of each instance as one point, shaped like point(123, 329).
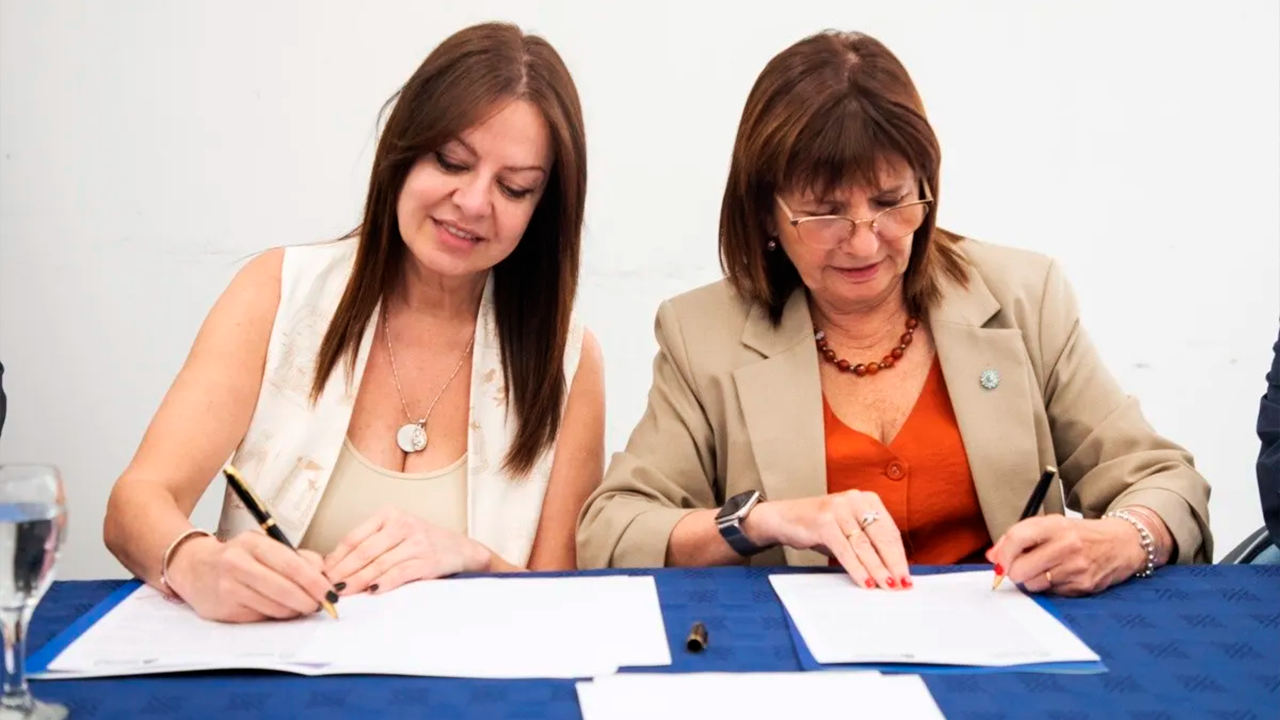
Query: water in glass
point(32, 531)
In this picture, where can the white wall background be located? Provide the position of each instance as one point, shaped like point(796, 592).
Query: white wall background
point(147, 146)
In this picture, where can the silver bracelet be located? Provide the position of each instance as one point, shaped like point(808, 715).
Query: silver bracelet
point(1144, 536)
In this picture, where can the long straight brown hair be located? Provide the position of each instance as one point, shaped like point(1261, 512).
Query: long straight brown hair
point(825, 113)
point(464, 79)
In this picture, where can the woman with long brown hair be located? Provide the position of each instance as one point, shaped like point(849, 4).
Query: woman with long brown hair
point(412, 401)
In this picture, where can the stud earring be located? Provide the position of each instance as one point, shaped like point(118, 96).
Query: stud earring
point(771, 245)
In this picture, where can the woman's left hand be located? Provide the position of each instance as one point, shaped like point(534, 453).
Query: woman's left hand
point(393, 548)
point(1069, 556)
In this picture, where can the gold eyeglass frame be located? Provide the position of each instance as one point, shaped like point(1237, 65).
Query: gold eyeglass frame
point(796, 222)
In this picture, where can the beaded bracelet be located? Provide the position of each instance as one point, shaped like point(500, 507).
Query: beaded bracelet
point(1144, 536)
point(168, 590)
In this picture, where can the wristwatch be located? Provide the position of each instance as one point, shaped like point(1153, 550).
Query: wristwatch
point(729, 521)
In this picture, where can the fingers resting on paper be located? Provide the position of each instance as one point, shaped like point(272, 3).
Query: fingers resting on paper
point(363, 546)
point(340, 562)
point(855, 528)
point(887, 538)
point(393, 548)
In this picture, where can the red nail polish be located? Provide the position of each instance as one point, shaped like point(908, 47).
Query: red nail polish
point(891, 582)
point(906, 582)
point(871, 583)
point(999, 569)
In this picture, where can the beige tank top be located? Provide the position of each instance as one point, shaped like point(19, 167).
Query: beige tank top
point(358, 488)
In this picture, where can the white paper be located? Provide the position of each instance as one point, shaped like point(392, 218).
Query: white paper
point(947, 619)
point(752, 696)
point(499, 628)
point(485, 627)
point(147, 632)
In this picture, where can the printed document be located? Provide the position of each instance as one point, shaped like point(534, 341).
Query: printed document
point(946, 619)
point(539, 627)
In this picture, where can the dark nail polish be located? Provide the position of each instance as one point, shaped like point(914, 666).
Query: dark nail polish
point(340, 586)
point(331, 596)
point(999, 569)
point(906, 582)
point(871, 583)
point(373, 587)
point(891, 582)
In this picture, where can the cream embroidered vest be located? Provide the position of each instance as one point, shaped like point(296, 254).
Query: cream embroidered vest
point(291, 446)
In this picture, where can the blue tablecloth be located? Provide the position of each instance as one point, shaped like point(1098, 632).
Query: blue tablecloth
point(1192, 642)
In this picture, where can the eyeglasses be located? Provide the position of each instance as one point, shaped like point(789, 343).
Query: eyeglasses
point(828, 231)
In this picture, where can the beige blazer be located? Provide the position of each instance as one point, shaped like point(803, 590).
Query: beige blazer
point(736, 405)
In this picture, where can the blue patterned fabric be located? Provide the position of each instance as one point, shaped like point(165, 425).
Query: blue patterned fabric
point(1197, 642)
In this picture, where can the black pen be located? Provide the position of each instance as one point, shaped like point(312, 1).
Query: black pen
point(1033, 504)
point(260, 513)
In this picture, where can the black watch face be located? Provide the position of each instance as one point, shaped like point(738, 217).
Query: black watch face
point(734, 504)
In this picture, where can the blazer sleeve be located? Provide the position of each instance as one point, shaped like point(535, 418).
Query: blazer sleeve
point(1109, 455)
point(665, 472)
point(1269, 456)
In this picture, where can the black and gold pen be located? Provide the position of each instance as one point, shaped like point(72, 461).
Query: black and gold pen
point(1033, 506)
point(260, 513)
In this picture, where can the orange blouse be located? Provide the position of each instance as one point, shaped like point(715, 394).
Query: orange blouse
point(922, 477)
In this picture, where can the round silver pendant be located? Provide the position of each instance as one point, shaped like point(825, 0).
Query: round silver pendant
point(411, 438)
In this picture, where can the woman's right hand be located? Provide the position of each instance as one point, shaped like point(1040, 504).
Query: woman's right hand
point(248, 578)
point(872, 554)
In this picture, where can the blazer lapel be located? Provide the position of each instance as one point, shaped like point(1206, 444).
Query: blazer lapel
point(996, 419)
point(781, 398)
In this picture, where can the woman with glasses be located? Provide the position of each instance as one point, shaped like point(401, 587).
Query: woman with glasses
point(868, 389)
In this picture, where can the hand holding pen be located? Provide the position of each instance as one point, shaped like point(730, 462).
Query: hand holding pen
point(253, 576)
point(1071, 556)
point(1029, 511)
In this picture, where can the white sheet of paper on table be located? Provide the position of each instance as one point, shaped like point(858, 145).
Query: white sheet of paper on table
point(947, 619)
point(499, 628)
point(516, 627)
point(146, 633)
point(756, 696)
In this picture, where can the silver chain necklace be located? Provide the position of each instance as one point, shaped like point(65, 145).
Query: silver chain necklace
point(412, 436)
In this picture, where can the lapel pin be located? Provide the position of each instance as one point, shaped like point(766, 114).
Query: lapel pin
point(990, 379)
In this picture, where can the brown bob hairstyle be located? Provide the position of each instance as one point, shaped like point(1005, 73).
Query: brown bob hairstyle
point(466, 78)
point(825, 114)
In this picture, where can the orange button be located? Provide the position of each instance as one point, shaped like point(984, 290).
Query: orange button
point(896, 470)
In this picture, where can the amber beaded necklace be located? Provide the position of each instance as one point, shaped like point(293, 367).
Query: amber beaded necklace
point(870, 368)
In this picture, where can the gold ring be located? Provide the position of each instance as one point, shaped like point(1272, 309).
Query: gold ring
point(1048, 577)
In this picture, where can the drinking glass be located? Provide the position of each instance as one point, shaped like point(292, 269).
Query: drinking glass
point(33, 521)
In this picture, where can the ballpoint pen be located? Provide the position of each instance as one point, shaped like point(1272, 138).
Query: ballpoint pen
point(1033, 505)
point(268, 523)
